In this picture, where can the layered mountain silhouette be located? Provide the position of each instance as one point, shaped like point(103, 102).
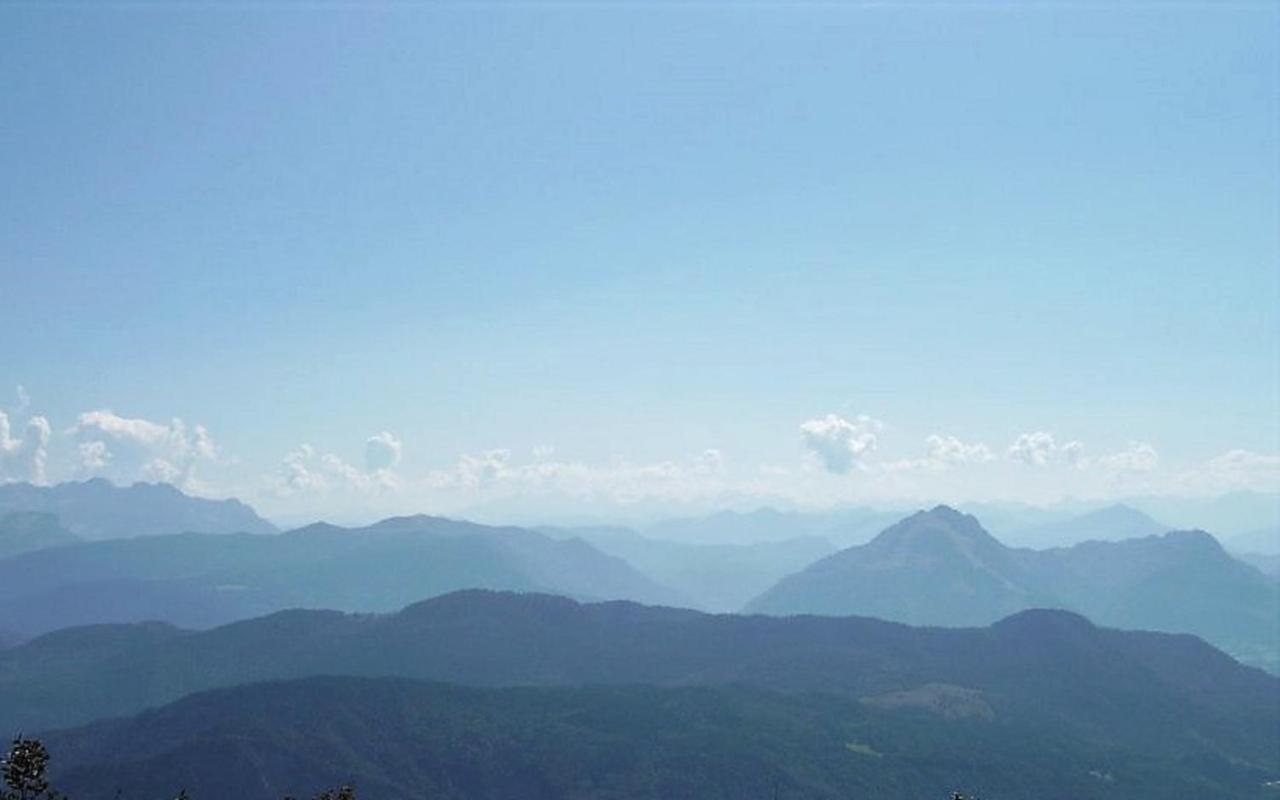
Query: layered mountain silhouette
point(1263, 541)
point(709, 577)
point(933, 568)
point(841, 526)
point(25, 531)
point(1150, 695)
point(940, 567)
point(1115, 522)
point(203, 580)
point(98, 509)
point(404, 740)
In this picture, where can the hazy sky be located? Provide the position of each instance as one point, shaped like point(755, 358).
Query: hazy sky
point(428, 258)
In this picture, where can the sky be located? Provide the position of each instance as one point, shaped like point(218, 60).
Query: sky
point(556, 258)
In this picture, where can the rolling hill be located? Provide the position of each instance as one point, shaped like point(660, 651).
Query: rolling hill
point(403, 740)
point(1154, 695)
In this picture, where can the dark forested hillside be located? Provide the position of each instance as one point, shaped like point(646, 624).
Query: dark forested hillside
point(395, 739)
point(1155, 694)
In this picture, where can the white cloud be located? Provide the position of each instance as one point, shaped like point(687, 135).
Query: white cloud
point(94, 456)
point(381, 451)
point(24, 400)
point(711, 460)
point(948, 451)
point(303, 470)
point(493, 473)
point(482, 468)
point(1038, 448)
point(24, 459)
point(838, 443)
point(1234, 470)
point(1033, 448)
point(942, 452)
point(297, 474)
point(1137, 457)
point(133, 448)
point(1073, 452)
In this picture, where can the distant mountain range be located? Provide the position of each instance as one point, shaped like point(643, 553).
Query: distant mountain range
point(709, 577)
point(1267, 564)
point(395, 739)
point(1149, 695)
point(1230, 515)
point(25, 531)
point(941, 567)
point(1112, 523)
point(202, 580)
point(1264, 541)
point(842, 527)
point(97, 509)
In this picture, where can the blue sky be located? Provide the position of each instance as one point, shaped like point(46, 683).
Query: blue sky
point(570, 249)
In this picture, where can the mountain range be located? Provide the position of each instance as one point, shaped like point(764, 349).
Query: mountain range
point(842, 527)
point(1112, 523)
point(708, 577)
point(98, 509)
point(201, 580)
point(940, 567)
point(936, 568)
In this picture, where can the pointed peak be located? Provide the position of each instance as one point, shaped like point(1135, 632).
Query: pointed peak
point(940, 523)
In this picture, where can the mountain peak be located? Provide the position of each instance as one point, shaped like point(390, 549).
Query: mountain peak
point(940, 524)
point(1195, 540)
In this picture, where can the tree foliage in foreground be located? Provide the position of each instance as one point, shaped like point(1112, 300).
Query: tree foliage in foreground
point(25, 767)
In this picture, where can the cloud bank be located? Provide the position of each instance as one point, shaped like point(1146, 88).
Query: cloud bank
point(132, 448)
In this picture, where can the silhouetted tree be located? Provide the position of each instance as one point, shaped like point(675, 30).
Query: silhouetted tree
point(23, 771)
